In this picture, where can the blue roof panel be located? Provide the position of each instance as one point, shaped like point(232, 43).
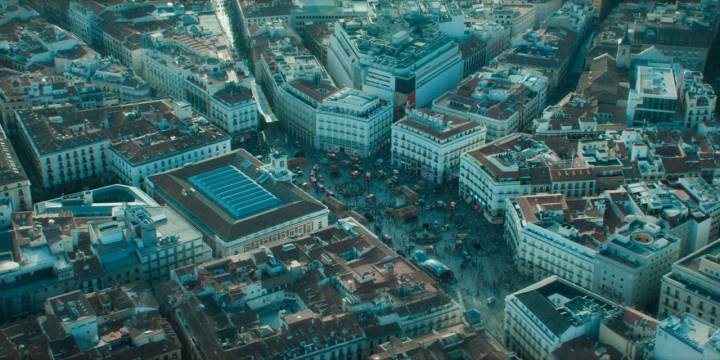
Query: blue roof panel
point(234, 191)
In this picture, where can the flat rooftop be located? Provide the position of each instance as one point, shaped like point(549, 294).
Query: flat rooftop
point(234, 191)
point(233, 195)
point(656, 81)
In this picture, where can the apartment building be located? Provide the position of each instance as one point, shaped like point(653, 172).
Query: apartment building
point(162, 239)
point(575, 116)
point(698, 99)
point(234, 109)
point(521, 164)
point(685, 220)
point(546, 238)
point(633, 260)
point(687, 337)
point(296, 84)
point(547, 50)
point(554, 318)
point(661, 30)
point(354, 123)
point(431, 143)
point(128, 141)
point(15, 185)
point(692, 286)
point(370, 279)
point(82, 326)
point(505, 99)
point(379, 56)
point(706, 198)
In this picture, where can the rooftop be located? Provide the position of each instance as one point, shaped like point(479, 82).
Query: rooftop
point(656, 81)
point(436, 125)
point(224, 208)
point(692, 331)
point(344, 264)
point(560, 305)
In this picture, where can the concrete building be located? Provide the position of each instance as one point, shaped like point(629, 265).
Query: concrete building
point(654, 100)
point(309, 12)
point(549, 319)
point(112, 323)
point(684, 219)
point(705, 198)
point(353, 122)
point(686, 337)
point(380, 57)
point(250, 12)
point(339, 285)
point(161, 239)
point(547, 50)
point(660, 30)
point(431, 143)
point(238, 202)
point(296, 84)
point(505, 99)
point(234, 109)
point(574, 116)
point(520, 164)
point(633, 260)
point(129, 141)
point(698, 99)
point(546, 239)
point(693, 286)
point(16, 194)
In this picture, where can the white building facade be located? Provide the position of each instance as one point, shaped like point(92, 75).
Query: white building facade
point(353, 122)
point(431, 143)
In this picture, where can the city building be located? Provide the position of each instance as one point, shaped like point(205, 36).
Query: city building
point(686, 337)
point(684, 219)
point(239, 203)
point(654, 100)
point(575, 116)
point(16, 193)
point(633, 260)
point(38, 256)
point(97, 239)
point(312, 12)
point(495, 36)
point(403, 57)
point(234, 109)
point(698, 99)
point(200, 68)
point(555, 319)
point(659, 30)
point(115, 79)
point(458, 340)
point(114, 323)
point(161, 239)
point(706, 198)
point(296, 84)
point(431, 143)
point(693, 286)
point(32, 44)
point(548, 50)
point(547, 237)
point(521, 164)
point(505, 99)
point(129, 141)
point(251, 12)
point(354, 123)
point(338, 291)
point(577, 16)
